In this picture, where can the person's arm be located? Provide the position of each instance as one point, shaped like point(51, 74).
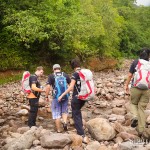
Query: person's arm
point(130, 75)
point(71, 86)
point(49, 84)
point(47, 92)
point(34, 88)
point(132, 70)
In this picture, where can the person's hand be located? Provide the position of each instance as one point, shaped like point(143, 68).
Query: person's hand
point(59, 98)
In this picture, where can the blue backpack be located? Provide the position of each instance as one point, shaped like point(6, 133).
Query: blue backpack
point(60, 86)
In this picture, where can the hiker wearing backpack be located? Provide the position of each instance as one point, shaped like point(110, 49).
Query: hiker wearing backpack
point(83, 90)
point(34, 95)
point(59, 82)
point(139, 73)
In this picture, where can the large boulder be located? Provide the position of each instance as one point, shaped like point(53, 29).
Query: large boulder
point(23, 142)
point(100, 129)
point(55, 140)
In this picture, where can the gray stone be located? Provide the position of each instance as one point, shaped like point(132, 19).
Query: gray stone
point(55, 140)
point(23, 142)
point(2, 121)
point(100, 129)
point(93, 145)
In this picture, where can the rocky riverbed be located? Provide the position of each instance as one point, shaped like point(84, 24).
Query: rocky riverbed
point(106, 119)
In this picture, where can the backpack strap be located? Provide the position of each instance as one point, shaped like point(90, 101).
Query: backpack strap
point(78, 71)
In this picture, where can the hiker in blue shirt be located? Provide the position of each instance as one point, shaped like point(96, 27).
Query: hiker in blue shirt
point(58, 81)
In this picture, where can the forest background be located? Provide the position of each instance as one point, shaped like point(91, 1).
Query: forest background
point(43, 32)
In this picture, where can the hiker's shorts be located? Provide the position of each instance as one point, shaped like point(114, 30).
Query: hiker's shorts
point(59, 108)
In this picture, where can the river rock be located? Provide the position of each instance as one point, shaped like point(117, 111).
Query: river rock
point(23, 142)
point(76, 140)
point(127, 136)
point(55, 141)
point(23, 112)
point(93, 145)
point(2, 121)
point(22, 130)
point(119, 111)
point(100, 129)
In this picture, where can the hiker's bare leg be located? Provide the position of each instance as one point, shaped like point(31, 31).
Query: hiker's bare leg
point(57, 123)
point(64, 117)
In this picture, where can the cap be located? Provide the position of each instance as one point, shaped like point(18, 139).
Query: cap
point(56, 66)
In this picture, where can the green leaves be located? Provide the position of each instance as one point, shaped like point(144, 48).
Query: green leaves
point(26, 27)
point(62, 29)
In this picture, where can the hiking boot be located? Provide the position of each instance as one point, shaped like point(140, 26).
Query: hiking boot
point(85, 140)
point(65, 127)
point(134, 123)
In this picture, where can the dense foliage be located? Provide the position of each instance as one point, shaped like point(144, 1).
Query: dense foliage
point(47, 31)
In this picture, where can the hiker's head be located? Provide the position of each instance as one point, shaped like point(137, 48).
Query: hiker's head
point(56, 68)
point(39, 71)
point(145, 54)
point(75, 63)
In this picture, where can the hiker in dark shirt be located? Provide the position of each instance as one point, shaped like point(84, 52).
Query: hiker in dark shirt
point(59, 109)
point(34, 95)
point(139, 97)
point(76, 103)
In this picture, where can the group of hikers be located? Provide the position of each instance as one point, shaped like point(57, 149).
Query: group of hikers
point(59, 105)
point(138, 76)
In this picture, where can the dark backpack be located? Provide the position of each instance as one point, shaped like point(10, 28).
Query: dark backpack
point(60, 86)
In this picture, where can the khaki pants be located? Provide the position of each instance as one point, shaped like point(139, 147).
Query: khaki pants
point(139, 101)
